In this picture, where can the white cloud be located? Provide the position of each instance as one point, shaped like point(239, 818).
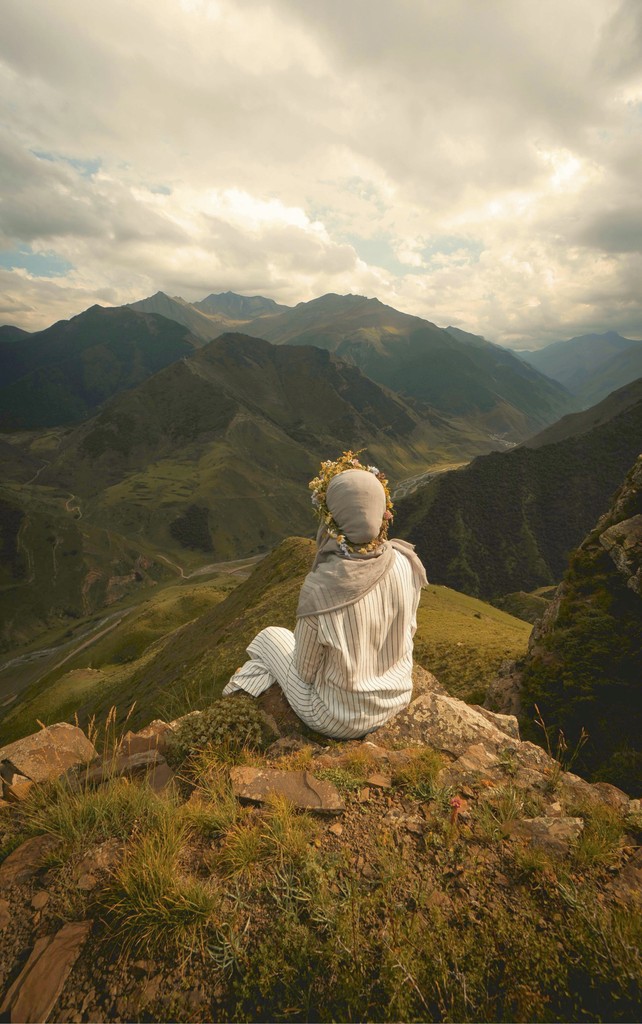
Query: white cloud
point(475, 164)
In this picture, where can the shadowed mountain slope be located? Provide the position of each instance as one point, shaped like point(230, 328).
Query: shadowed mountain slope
point(9, 333)
point(60, 375)
point(459, 376)
point(581, 422)
point(509, 521)
point(619, 371)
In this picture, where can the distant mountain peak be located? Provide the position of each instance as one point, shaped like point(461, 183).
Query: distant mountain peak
point(238, 307)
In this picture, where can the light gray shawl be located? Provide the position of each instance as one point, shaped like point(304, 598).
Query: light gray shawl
point(357, 502)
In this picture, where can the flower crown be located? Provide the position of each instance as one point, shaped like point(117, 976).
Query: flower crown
point(319, 487)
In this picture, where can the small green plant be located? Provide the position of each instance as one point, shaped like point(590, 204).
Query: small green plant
point(346, 777)
point(419, 775)
point(231, 724)
point(498, 812)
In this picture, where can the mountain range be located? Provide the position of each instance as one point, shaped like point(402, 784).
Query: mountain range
point(152, 449)
point(59, 376)
point(461, 375)
point(590, 366)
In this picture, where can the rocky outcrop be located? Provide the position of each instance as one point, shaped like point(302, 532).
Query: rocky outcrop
point(624, 545)
point(446, 723)
point(583, 668)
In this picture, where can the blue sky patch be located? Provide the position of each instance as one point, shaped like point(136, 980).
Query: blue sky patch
point(86, 168)
point(40, 264)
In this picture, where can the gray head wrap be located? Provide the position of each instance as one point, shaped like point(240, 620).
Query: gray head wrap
point(357, 502)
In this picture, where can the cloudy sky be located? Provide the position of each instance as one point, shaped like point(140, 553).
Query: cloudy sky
point(475, 162)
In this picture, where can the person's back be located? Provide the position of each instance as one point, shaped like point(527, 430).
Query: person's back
point(347, 669)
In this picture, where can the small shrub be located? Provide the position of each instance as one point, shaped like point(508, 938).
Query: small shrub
point(231, 724)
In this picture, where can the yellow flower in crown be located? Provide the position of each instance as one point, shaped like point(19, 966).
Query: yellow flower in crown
point(319, 486)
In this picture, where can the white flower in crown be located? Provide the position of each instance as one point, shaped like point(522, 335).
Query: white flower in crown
point(373, 469)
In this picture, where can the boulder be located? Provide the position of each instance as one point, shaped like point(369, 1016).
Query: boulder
point(301, 788)
point(33, 994)
point(444, 723)
point(129, 765)
point(49, 753)
point(506, 723)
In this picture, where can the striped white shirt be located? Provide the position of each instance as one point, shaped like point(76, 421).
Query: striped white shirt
point(344, 672)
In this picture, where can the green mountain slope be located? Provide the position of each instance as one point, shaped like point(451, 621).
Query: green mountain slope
point(60, 375)
point(179, 647)
point(56, 568)
point(509, 521)
point(213, 454)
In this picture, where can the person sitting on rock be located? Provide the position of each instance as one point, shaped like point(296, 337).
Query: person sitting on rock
point(347, 668)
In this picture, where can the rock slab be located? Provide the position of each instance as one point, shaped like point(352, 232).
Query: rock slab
point(49, 753)
point(33, 994)
point(26, 860)
point(301, 788)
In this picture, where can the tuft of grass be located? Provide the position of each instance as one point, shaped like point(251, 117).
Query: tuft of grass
point(80, 817)
point(154, 907)
point(242, 848)
point(498, 812)
point(278, 837)
point(213, 808)
point(420, 775)
point(600, 842)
